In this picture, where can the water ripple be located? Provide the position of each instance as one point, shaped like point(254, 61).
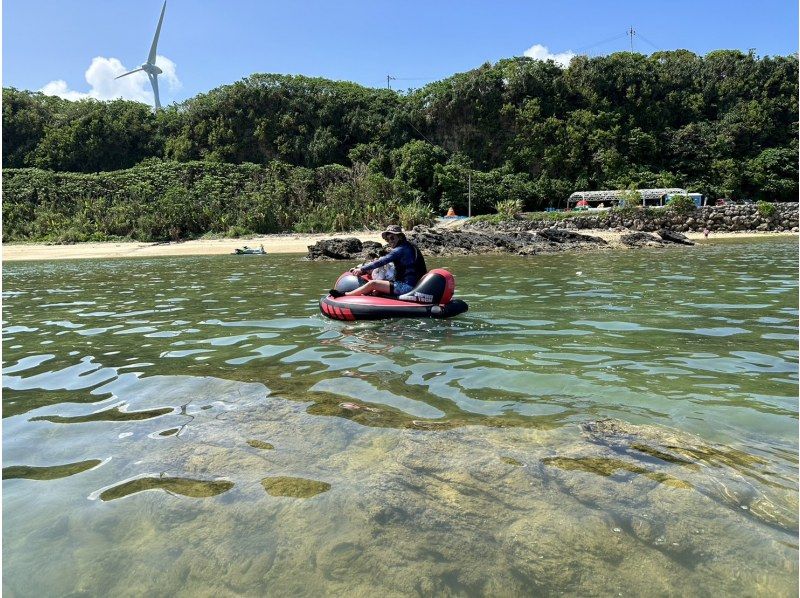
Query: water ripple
point(168, 375)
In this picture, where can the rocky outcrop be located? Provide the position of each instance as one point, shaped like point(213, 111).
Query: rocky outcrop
point(505, 237)
point(558, 235)
point(437, 241)
point(665, 237)
point(349, 248)
point(641, 240)
point(670, 236)
point(530, 237)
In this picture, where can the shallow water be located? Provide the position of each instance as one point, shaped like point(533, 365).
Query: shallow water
point(193, 426)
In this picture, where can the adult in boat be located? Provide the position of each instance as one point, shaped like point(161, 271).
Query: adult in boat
point(408, 263)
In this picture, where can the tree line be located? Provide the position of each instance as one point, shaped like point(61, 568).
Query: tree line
point(724, 124)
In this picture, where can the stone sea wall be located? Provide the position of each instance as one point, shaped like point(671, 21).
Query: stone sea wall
point(715, 219)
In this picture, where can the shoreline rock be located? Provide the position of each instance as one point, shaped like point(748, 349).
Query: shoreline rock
point(445, 242)
point(531, 237)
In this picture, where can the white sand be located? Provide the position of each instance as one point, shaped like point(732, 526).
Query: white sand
point(272, 244)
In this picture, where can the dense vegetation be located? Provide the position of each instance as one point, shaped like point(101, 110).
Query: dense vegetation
point(277, 152)
point(159, 200)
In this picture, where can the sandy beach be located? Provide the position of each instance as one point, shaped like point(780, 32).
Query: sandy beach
point(272, 244)
point(291, 243)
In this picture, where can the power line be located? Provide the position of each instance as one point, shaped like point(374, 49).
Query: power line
point(606, 41)
point(425, 138)
point(390, 78)
point(631, 33)
point(643, 38)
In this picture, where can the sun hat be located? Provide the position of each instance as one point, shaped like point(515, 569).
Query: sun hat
point(393, 229)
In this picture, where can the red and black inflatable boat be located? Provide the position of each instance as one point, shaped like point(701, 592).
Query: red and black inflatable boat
point(433, 298)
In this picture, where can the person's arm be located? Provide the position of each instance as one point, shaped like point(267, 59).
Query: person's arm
point(381, 261)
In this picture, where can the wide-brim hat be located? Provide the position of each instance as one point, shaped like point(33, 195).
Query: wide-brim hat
point(393, 229)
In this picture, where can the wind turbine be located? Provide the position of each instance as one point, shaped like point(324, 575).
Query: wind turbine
point(150, 67)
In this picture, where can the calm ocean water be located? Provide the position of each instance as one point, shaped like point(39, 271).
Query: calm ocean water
point(622, 422)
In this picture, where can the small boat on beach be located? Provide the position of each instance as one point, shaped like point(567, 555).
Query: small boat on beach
point(250, 250)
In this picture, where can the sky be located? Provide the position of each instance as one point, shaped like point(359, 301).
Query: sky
point(75, 48)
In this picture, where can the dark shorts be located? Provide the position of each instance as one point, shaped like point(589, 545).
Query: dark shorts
point(400, 288)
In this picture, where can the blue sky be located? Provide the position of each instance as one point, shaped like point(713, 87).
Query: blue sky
point(75, 47)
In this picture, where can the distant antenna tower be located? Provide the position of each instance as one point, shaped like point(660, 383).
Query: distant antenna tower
point(150, 67)
point(631, 32)
point(388, 79)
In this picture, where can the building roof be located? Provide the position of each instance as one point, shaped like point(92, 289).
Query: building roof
point(616, 194)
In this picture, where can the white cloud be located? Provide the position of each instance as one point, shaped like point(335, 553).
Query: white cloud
point(100, 77)
point(540, 52)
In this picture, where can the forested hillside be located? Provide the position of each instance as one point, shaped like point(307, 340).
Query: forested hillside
point(724, 124)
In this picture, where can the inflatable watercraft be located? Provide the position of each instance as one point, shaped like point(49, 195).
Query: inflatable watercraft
point(431, 298)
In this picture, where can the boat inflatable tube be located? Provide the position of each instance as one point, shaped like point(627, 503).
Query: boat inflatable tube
point(431, 298)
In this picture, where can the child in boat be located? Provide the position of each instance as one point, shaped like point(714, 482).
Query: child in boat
point(408, 263)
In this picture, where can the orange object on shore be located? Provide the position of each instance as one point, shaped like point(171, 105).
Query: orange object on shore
point(451, 211)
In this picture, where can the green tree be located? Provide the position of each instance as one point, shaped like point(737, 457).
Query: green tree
point(773, 175)
point(724, 123)
point(415, 164)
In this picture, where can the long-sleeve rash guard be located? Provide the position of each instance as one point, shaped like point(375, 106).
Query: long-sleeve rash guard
point(408, 263)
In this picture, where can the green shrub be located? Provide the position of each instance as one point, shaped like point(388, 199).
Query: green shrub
point(636, 211)
point(162, 200)
point(551, 216)
point(682, 204)
point(631, 198)
point(318, 219)
point(765, 208)
point(508, 208)
point(69, 236)
point(490, 218)
point(237, 231)
point(414, 213)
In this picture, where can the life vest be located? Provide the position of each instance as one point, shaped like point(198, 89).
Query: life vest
point(418, 268)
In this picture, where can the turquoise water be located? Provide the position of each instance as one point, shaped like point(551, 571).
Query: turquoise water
point(194, 426)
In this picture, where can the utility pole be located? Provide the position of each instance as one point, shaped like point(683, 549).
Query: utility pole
point(388, 79)
point(469, 194)
point(631, 32)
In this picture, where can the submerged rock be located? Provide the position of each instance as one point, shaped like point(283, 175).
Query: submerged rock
point(183, 486)
point(680, 459)
point(113, 415)
point(260, 444)
point(294, 487)
point(52, 472)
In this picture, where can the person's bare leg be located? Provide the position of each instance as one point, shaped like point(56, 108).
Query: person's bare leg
point(381, 286)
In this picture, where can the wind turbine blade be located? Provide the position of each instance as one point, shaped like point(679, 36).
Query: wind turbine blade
point(151, 58)
point(129, 73)
point(154, 83)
